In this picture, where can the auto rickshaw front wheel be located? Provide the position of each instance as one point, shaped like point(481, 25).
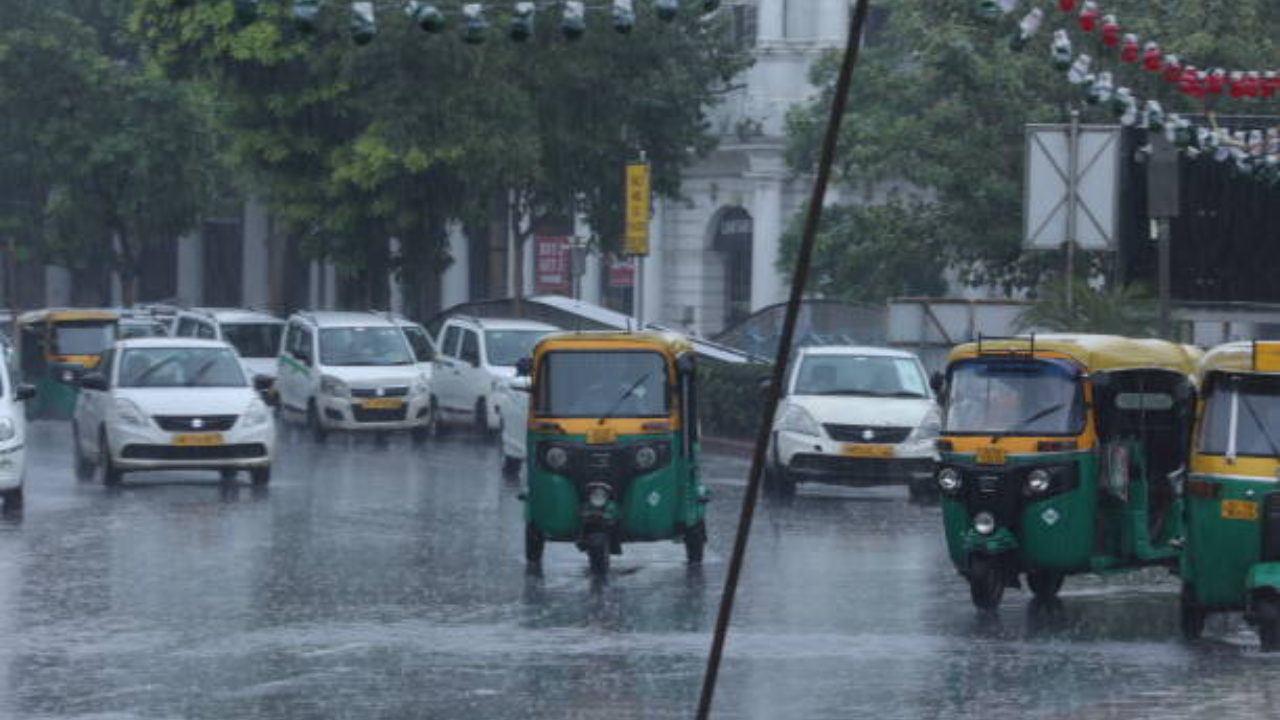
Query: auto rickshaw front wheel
point(534, 544)
point(986, 581)
point(1045, 584)
point(1266, 615)
point(695, 541)
point(1191, 615)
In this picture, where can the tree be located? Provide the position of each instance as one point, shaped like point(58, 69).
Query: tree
point(1128, 311)
point(941, 102)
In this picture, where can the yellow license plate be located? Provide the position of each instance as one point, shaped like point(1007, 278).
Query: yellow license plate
point(382, 404)
point(1239, 510)
point(601, 436)
point(868, 451)
point(200, 440)
point(990, 456)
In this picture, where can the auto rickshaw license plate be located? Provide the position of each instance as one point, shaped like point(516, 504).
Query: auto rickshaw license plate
point(869, 451)
point(601, 435)
point(198, 440)
point(1239, 510)
point(990, 456)
point(382, 404)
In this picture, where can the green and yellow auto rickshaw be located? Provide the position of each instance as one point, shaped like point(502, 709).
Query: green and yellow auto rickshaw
point(1056, 458)
point(1231, 496)
point(613, 445)
point(56, 346)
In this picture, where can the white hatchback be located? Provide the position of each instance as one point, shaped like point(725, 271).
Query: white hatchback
point(857, 416)
point(172, 404)
point(13, 437)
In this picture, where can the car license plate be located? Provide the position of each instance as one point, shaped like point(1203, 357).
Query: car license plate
point(198, 440)
point(601, 436)
point(868, 451)
point(382, 404)
point(1239, 510)
point(990, 456)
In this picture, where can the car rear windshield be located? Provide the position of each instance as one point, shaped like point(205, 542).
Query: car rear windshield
point(254, 340)
point(584, 384)
point(83, 338)
point(180, 367)
point(364, 346)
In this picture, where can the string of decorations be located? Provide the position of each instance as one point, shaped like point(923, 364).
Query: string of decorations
point(1253, 153)
point(475, 20)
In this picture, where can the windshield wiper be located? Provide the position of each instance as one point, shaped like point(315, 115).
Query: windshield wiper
point(147, 373)
point(1266, 431)
point(626, 394)
point(1038, 415)
point(200, 373)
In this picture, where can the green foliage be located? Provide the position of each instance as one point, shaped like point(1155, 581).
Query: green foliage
point(730, 403)
point(940, 103)
point(1129, 311)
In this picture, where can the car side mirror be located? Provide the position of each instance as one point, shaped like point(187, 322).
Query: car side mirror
point(937, 382)
point(94, 381)
point(524, 367)
point(24, 392)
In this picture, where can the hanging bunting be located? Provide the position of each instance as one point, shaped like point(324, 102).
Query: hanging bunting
point(624, 16)
point(304, 14)
point(1089, 15)
point(1079, 73)
point(995, 9)
point(522, 21)
point(364, 26)
point(1027, 29)
point(1060, 50)
point(667, 9)
point(474, 25)
point(1151, 60)
point(427, 16)
point(1110, 31)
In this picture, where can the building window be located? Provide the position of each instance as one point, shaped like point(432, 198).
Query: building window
point(733, 239)
point(741, 27)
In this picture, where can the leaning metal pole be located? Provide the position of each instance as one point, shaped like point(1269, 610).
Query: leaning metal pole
point(798, 282)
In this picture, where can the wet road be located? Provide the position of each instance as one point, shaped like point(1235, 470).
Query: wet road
point(389, 583)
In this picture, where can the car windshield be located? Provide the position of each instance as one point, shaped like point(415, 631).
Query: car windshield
point(1252, 406)
point(575, 384)
point(140, 328)
point(364, 346)
point(254, 340)
point(1013, 398)
point(504, 348)
point(180, 367)
point(869, 375)
point(423, 351)
point(83, 338)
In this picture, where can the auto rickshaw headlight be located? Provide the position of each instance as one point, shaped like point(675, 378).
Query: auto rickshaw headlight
point(598, 496)
point(949, 480)
point(646, 457)
point(557, 458)
point(1038, 481)
point(984, 523)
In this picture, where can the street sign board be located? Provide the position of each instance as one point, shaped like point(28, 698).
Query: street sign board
point(636, 240)
point(551, 265)
point(1052, 212)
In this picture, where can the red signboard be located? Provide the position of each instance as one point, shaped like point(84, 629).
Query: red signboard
point(622, 272)
point(551, 265)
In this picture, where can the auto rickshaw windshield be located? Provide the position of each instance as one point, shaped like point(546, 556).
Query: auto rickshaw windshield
point(83, 338)
point(1004, 397)
point(1250, 405)
point(591, 384)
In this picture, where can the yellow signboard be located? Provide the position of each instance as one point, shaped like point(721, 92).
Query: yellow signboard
point(637, 235)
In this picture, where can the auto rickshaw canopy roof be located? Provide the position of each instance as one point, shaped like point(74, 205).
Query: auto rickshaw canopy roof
point(60, 315)
point(1249, 357)
point(668, 343)
point(1093, 352)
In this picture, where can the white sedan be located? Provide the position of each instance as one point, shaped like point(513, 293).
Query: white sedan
point(172, 404)
point(13, 437)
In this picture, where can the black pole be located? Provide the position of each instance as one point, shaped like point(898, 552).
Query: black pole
point(798, 282)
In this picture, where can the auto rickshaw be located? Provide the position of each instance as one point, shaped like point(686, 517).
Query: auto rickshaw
point(56, 346)
point(1056, 455)
point(1231, 496)
point(612, 444)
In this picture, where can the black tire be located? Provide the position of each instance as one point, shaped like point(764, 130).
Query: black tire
point(695, 542)
point(424, 433)
point(84, 465)
point(111, 475)
point(1191, 615)
point(438, 426)
point(534, 544)
point(1266, 615)
point(598, 553)
point(511, 466)
point(13, 499)
point(260, 477)
point(1045, 584)
point(318, 433)
point(986, 581)
point(228, 475)
point(482, 418)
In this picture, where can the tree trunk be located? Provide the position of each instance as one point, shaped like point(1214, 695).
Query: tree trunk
point(127, 268)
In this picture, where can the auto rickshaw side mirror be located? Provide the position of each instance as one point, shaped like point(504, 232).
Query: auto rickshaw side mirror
point(93, 381)
point(24, 392)
point(265, 387)
point(524, 367)
point(938, 382)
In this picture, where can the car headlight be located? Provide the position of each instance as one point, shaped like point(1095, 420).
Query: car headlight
point(421, 386)
point(598, 496)
point(646, 458)
point(257, 414)
point(949, 480)
point(798, 420)
point(1038, 481)
point(984, 523)
point(557, 458)
point(7, 429)
point(334, 387)
point(129, 413)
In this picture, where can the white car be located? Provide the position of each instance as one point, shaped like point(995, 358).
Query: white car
point(255, 335)
point(856, 416)
point(352, 371)
point(420, 341)
point(512, 401)
point(171, 404)
point(13, 437)
point(475, 358)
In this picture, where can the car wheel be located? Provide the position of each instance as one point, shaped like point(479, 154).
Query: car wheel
point(511, 466)
point(111, 475)
point(318, 433)
point(1191, 615)
point(84, 464)
point(228, 475)
point(13, 499)
point(482, 417)
point(438, 425)
point(695, 541)
point(534, 543)
point(260, 476)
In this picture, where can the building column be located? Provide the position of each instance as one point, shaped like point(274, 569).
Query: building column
point(455, 283)
point(770, 20)
point(766, 213)
point(190, 269)
point(255, 258)
point(330, 274)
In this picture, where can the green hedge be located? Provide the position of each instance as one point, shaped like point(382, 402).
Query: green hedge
point(729, 398)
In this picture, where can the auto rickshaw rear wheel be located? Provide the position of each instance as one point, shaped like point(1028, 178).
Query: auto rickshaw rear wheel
point(1191, 615)
point(534, 543)
point(1045, 584)
point(695, 541)
point(12, 499)
point(598, 553)
point(1266, 614)
point(986, 581)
